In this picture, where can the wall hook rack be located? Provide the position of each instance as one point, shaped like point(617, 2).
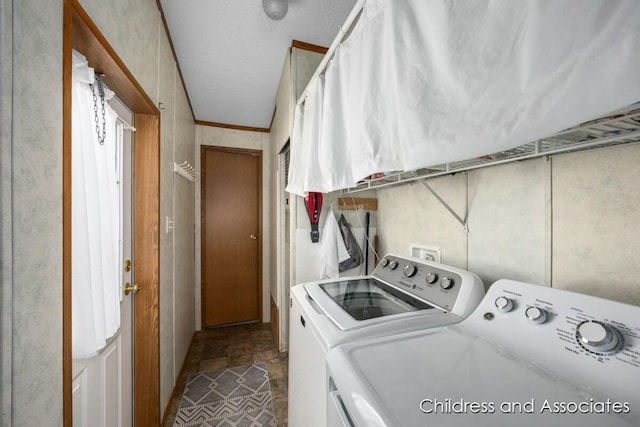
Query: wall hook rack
point(185, 170)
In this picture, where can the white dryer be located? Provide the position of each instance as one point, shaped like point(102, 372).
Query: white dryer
point(529, 356)
point(402, 294)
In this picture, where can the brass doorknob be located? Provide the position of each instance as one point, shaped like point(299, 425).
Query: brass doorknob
point(128, 288)
point(254, 237)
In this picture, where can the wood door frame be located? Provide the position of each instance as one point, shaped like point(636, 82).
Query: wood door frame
point(246, 151)
point(81, 33)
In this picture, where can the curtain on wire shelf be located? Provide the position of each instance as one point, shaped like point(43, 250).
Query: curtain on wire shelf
point(420, 83)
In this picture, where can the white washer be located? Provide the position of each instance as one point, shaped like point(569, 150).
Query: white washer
point(401, 294)
point(528, 356)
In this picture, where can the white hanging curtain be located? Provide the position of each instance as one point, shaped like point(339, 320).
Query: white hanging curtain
point(421, 83)
point(95, 216)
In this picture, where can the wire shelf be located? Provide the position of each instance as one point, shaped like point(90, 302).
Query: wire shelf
point(620, 127)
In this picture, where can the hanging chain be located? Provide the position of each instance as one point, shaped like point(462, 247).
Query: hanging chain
point(95, 110)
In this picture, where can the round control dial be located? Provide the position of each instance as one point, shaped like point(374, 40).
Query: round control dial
point(384, 262)
point(393, 265)
point(598, 337)
point(410, 270)
point(446, 283)
point(504, 304)
point(536, 315)
point(432, 277)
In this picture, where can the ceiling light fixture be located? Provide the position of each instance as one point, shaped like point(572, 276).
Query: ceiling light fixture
point(275, 9)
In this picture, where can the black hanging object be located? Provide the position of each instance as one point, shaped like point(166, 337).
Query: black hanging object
point(366, 244)
point(350, 242)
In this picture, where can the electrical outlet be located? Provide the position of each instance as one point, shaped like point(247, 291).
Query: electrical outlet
point(429, 253)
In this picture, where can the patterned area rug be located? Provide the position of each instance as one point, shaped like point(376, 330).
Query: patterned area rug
point(232, 397)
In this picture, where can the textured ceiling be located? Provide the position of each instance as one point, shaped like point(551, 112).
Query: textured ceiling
point(231, 54)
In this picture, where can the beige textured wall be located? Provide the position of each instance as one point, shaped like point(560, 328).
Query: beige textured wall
point(166, 93)
point(6, 209)
point(32, 216)
point(184, 234)
point(208, 135)
point(570, 222)
point(507, 222)
point(32, 193)
point(412, 215)
point(596, 223)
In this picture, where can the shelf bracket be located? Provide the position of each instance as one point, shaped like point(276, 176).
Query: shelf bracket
point(447, 207)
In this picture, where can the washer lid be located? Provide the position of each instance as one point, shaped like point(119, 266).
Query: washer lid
point(450, 377)
point(363, 301)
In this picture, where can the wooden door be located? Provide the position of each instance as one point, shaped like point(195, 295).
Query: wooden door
point(231, 235)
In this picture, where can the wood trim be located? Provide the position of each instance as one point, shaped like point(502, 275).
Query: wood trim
point(88, 39)
point(260, 240)
point(228, 126)
point(203, 172)
point(310, 47)
point(67, 359)
point(354, 204)
point(146, 261)
point(273, 117)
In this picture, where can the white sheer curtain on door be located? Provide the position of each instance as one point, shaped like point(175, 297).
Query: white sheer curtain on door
point(95, 215)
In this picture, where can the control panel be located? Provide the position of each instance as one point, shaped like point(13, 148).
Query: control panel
point(566, 330)
point(433, 282)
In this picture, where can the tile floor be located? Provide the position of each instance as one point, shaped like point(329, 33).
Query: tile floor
point(236, 346)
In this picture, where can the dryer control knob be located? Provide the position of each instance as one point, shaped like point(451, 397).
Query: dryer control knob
point(446, 283)
point(410, 270)
point(598, 337)
point(393, 265)
point(504, 304)
point(432, 277)
point(384, 262)
point(536, 315)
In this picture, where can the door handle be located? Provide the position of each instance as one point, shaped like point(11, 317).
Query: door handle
point(253, 237)
point(128, 288)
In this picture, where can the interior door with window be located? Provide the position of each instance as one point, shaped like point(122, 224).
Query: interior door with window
point(103, 384)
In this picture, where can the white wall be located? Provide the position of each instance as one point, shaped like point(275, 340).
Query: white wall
point(31, 65)
point(570, 222)
point(222, 137)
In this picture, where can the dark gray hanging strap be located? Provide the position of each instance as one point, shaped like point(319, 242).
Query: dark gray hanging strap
point(95, 109)
point(350, 242)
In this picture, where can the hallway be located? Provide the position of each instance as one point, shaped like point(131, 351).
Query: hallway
point(234, 346)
